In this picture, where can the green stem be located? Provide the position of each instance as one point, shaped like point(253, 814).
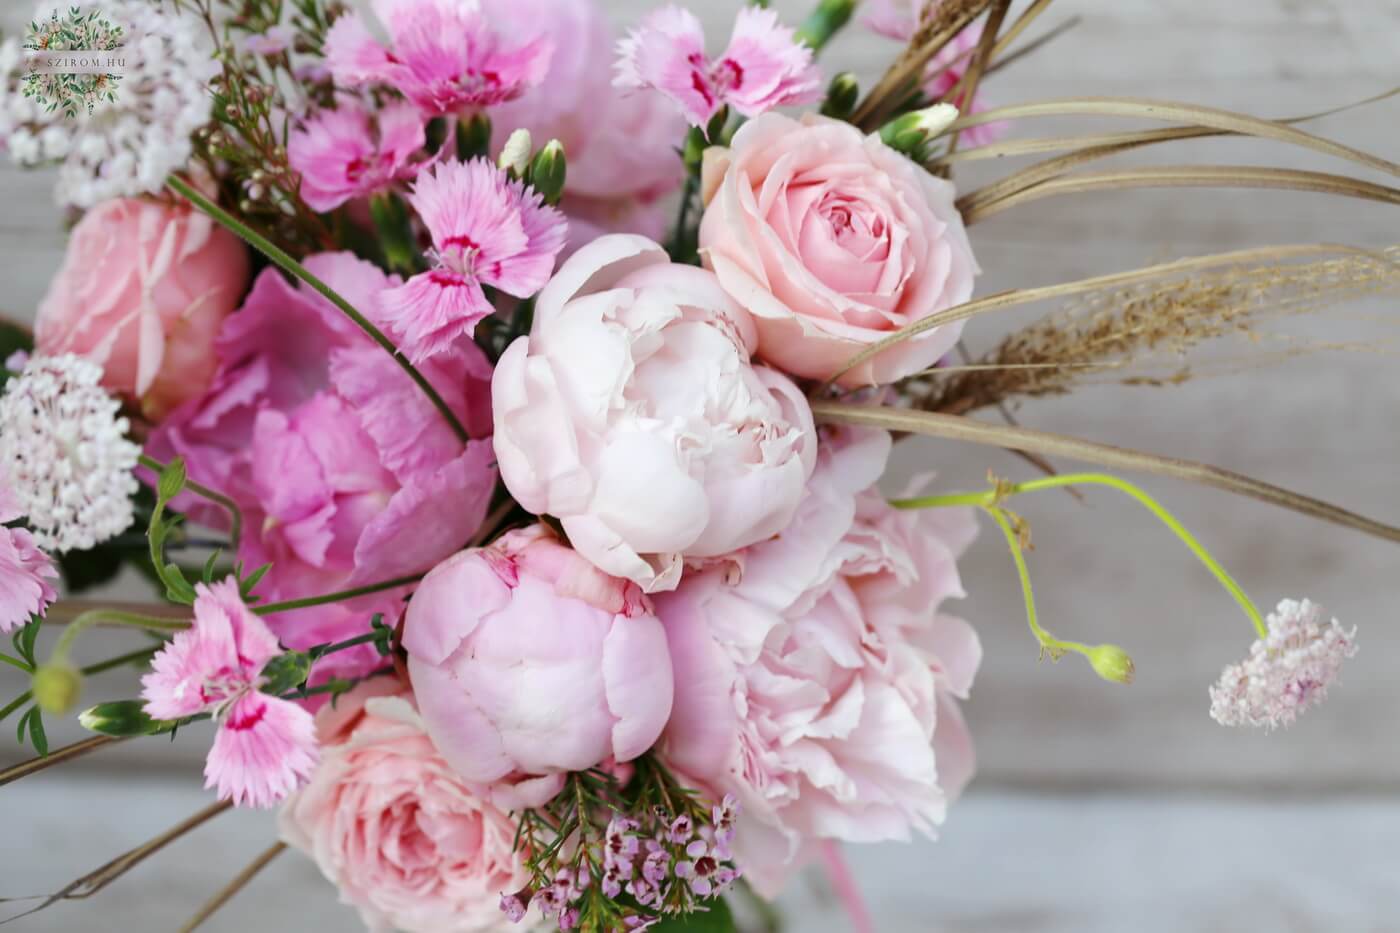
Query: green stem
point(1048, 642)
point(823, 22)
point(310, 601)
point(143, 654)
point(321, 652)
point(990, 497)
point(108, 617)
point(235, 514)
point(16, 662)
point(292, 267)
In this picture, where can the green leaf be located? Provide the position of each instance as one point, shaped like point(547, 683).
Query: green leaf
point(36, 732)
point(23, 721)
point(717, 919)
point(253, 580)
point(208, 575)
point(286, 672)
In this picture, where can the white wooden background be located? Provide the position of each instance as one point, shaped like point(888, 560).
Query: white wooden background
point(1098, 807)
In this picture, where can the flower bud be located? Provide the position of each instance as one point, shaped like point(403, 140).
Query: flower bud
point(121, 718)
point(515, 155)
point(1112, 663)
point(56, 687)
point(912, 132)
point(841, 96)
point(824, 21)
point(548, 171)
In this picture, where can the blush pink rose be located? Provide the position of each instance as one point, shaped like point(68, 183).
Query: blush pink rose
point(528, 660)
point(832, 241)
point(142, 291)
point(345, 472)
point(820, 687)
point(632, 414)
point(406, 841)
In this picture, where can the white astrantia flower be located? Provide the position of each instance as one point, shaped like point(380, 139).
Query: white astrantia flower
point(65, 455)
point(130, 145)
point(1285, 673)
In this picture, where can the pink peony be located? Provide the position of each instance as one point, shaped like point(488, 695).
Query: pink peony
point(445, 56)
point(819, 688)
point(342, 154)
point(486, 230)
point(345, 472)
point(265, 746)
point(25, 570)
point(620, 144)
point(407, 842)
point(832, 241)
point(632, 414)
point(143, 289)
point(764, 66)
point(526, 659)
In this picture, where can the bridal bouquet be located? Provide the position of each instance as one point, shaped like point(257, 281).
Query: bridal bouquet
point(498, 407)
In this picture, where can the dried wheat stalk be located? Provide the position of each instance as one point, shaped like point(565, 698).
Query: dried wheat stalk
point(1121, 331)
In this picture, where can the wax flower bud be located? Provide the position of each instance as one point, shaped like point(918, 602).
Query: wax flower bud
point(56, 687)
point(1112, 663)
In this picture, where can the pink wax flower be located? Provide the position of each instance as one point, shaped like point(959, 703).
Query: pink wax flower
point(25, 570)
point(620, 144)
point(142, 292)
point(404, 839)
point(345, 472)
point(1285, 673)
point(345, 153)
point(632, 414)
point(526, 659)
point(486, 230)
point(832, 240)
point(763, 67)
point(820, 687)
point(265, 746)
point(445, 56)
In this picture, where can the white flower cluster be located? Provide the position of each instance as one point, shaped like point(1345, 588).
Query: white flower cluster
point(65, 454)
point(1286, 672)
point(129, 145)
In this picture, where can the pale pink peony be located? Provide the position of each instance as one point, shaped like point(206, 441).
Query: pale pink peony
point(25, 570)
point(620, 144)
point(819, 687)
point(632, 414)
point(264, 746)
point(142, 291)
point(1286, 673)
point(403, 838)
point(764, 66)
point(446, 56)
point(832, 241)
point(486, 230)
point(348, 153)
point(528, 660)
point(345, 472)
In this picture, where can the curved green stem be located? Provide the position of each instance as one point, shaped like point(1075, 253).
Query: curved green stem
point(109, 617)
point(989, 498)
point(284, 260)
point(235, 514)
point(322, 600)
point(1048, 642)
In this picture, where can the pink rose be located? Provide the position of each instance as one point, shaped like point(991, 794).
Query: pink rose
point(832, 241)
point(345, 472)
point(404, 839)
point(143, 289)
point(820, 687)
point(526, 659)
point(632, 414)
